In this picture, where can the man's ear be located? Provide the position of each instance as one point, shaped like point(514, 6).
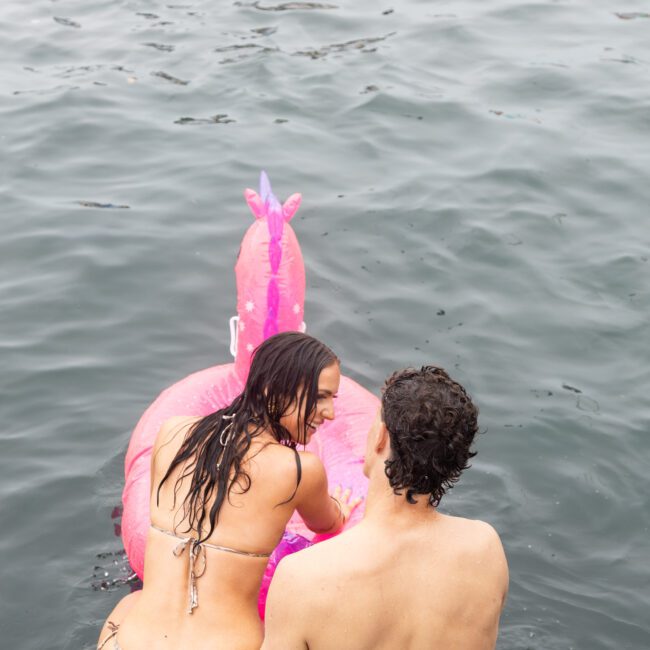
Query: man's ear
point(382, 440)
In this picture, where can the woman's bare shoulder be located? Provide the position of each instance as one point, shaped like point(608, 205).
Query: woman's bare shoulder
point(285, 466)
point(283, 457)
point(272, 454)
point(311, 461)
point(170, 437)
point(313, 469)
point(173, 427)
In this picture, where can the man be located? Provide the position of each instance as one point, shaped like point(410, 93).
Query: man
point(407, 577)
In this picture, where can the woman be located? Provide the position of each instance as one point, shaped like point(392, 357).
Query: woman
point(223, 489)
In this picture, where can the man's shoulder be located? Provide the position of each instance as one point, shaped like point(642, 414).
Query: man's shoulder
point(483, 530)
point(475, 538)
point(307, 562)
point(325, 563)
point(480, 530)
point(486, 533)
point(482, 546)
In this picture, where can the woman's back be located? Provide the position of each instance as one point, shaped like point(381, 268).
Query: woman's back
point(226, 580)
point(223, 488)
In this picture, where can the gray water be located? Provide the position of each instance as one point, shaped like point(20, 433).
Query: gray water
point(475, 183)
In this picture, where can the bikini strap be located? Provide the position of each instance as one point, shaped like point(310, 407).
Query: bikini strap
point(298, 467)
point(195, 552)
point(198, 560)
point(114, 628)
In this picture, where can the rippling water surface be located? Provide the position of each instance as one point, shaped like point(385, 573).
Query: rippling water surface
point(476, 192)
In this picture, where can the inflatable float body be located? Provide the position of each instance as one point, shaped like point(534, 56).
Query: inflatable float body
point(270, 299)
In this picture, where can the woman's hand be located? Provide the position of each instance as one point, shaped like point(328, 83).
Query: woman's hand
point(346, 504)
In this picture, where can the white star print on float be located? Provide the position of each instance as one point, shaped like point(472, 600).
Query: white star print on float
point(296, 308)
point(242, 325)
point(250, 347)
point(250, 305)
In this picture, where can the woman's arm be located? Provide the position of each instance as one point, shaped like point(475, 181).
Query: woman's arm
point(323, 514)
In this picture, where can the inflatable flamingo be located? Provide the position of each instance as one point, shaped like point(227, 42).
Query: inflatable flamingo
point(270, 299)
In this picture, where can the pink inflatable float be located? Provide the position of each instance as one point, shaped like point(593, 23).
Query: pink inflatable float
point(270, 299)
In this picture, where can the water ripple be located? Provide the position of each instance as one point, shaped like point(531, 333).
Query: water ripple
point(475, 195)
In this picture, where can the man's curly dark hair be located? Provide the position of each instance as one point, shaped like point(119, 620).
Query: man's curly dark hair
point(432, 422)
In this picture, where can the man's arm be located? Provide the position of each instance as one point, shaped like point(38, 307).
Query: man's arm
point(287, 610)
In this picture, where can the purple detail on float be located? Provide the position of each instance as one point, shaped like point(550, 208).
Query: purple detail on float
point(273, 304)
point(270, 328)
point(275, 221)
point(275, 256)
point(265, 186)
point(273, 297)
point(275, 218)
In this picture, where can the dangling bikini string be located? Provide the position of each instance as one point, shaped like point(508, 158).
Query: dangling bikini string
point(197, 552)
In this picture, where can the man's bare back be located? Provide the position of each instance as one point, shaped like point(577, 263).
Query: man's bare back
point(407, 577)
point(440, 583)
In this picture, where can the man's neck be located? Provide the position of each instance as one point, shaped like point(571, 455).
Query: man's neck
point(385, 507)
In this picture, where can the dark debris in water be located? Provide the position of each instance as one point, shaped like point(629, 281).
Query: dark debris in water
point(95, 204)
point(168, 77)
point(113, 571)
point(514, 116)
point(359, 44)
point(244, 51)
point(147, 15)
point(221, 118)
point(370, 89)
point(45, 91)
point(244, 46)
point(289, 6)
point(66, 22)
point(573, 389)
point(632, 15)
point(160, 47)
point(247, 50)
point(625, 58)
point(264, 31)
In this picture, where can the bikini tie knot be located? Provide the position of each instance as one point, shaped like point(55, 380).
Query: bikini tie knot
point(196, 553)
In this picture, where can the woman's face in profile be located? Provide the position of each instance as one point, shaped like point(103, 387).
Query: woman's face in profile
point(328, 386)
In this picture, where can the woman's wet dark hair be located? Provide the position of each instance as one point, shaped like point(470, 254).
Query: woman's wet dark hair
point(432, 422)
point(284, 371)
